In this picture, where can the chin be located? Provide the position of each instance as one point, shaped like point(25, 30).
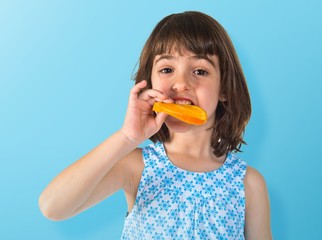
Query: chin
point(175, 125)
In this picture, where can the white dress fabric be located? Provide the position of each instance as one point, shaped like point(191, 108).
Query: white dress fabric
point(173, 203)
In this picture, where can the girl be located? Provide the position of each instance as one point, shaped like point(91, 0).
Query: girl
point(189, 183)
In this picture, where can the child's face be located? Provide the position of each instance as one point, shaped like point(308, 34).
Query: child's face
point(188, 79)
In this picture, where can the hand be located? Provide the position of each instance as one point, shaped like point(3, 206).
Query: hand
point(140, 121)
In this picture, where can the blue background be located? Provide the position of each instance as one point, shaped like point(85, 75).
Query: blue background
point(65, 75)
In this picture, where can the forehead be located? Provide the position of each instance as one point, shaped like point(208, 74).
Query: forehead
point(183, 46)
point(176, 54)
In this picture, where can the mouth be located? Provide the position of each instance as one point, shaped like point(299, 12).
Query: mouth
point(183, 101)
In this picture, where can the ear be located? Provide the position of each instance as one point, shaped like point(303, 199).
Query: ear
point(222, 98)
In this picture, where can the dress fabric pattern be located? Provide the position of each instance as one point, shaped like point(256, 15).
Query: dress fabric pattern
point(173, 203)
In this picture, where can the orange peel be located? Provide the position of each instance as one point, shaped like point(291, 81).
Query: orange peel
point(187, 113)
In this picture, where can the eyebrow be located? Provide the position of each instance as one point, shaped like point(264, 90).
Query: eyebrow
point(198, 56)
point(164, 56)
point(205, 57)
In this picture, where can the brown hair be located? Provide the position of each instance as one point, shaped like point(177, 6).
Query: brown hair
point(203, 35)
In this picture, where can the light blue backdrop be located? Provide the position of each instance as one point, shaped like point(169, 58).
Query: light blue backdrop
point(65, 70)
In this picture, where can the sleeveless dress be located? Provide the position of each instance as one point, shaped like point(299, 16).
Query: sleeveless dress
point(173, 203)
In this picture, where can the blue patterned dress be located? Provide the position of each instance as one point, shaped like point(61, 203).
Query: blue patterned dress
point(173, 203)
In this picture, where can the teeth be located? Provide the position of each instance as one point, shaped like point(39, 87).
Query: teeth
point(185, 102)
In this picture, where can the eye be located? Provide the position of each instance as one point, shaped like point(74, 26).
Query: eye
point(166, 70)
point(200, 72)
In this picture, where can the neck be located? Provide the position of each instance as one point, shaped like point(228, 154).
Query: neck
point(191, 143)
point(193, 152)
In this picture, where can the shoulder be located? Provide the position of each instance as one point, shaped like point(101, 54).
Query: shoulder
point(128, 167)
point(254, 179)
point(133, 161)
point(152, 153)
point(255, 185)
point(136, 154)
point(257, 205)
point(132, 165)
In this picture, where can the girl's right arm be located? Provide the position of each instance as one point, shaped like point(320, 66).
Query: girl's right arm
point(107, 168)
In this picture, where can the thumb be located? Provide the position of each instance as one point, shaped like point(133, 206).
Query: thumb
point(160, 118)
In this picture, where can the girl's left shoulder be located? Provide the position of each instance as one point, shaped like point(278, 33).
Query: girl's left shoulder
point(256, 192)
point(257, 205)
point(254, 179)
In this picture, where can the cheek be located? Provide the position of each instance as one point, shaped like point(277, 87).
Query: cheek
point(208, 99)
point(155, 81)
point(158, 84)
point(210, 108)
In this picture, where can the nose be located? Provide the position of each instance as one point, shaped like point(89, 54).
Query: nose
point(181, 83)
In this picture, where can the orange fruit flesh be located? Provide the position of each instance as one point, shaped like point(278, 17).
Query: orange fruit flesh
point(187, 113)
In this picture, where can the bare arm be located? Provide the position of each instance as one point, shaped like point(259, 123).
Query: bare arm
point(257, 207)
point(108, 167)
point(66, 194)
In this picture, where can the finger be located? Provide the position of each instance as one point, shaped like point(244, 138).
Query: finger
point(160, 118)
point(137, 88)
point(153, 95)
point(168, 100)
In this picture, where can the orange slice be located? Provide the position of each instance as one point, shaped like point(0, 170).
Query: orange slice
point(187, 113)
